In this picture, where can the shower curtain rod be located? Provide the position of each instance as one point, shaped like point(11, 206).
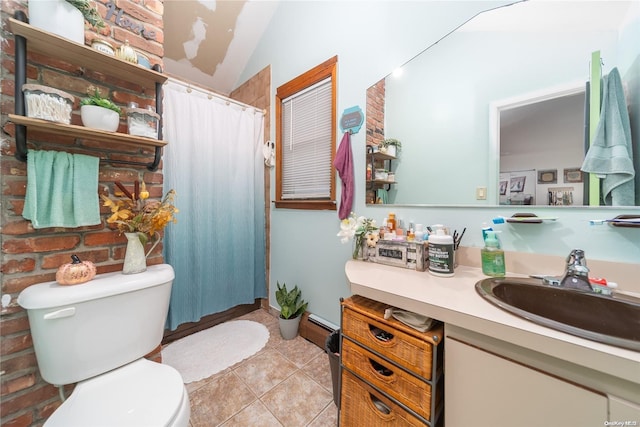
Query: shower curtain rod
point(193, 86)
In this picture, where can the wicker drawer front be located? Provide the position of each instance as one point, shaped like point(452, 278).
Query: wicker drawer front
point(406, 350)
point(410, 390)
point(359, 407)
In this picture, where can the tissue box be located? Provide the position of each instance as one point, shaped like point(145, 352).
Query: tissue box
point(47, 103)
point(143, 122)
point(411, 255)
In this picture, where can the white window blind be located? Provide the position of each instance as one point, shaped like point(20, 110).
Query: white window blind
point(306, 143)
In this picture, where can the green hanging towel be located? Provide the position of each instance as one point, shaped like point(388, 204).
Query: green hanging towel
point(610, 154)
point(62, 189)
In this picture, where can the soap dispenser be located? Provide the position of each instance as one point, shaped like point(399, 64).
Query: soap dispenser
point(492, 256)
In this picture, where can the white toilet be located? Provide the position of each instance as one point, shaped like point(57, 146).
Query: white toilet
point(97, 334)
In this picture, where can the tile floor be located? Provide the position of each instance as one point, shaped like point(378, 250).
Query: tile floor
point(286, 384)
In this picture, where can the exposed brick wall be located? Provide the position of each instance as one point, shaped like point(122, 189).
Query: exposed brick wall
point(375, 123)
point(31, 256)
point(375, 113)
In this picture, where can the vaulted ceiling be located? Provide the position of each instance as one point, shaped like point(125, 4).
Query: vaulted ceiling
point(209, 42)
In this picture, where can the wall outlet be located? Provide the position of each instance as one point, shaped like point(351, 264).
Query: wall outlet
point(481, 193)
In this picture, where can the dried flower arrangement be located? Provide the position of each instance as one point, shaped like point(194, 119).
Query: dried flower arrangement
point(137, 214)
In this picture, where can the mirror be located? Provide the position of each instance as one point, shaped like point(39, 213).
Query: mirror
point(476, 108)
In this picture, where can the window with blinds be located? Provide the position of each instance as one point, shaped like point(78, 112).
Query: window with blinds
point(305, 140)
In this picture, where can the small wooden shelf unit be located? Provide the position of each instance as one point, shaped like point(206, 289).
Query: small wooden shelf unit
point(391, 374)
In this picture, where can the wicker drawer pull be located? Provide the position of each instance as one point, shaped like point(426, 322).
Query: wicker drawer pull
point(380, 335)
point(382, 370)
point(379, 405)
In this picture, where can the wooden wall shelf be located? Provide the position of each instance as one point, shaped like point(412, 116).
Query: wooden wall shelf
point(58, 47)
point(61, 48)
point(382, 156)
point(84, 132)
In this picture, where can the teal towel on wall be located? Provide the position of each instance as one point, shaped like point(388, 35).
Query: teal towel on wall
point(62, 189)
point(610, 155)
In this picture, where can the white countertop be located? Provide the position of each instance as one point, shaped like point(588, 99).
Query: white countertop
point(454, 300)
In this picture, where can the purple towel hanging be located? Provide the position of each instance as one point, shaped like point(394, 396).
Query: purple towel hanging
point(343, 162)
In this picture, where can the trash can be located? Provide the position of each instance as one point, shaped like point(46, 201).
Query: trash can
point(332, 347)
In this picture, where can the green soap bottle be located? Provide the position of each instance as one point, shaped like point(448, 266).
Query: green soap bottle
point(492, 256)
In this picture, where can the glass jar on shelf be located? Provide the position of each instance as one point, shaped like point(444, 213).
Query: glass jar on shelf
point(143, 122)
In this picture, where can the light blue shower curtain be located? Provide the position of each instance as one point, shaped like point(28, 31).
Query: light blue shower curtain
point(214, 161)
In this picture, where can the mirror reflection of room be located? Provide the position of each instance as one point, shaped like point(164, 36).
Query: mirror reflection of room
point(504, 96)
point(528, 134)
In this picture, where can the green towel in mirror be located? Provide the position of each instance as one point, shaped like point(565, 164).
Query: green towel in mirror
point(610, 154)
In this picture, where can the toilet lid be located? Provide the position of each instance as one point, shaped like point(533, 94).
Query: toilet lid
point(140, 394)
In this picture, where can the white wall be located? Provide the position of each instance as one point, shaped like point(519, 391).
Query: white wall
point(371, 39)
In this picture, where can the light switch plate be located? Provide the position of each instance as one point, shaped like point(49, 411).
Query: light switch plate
point(481, 193)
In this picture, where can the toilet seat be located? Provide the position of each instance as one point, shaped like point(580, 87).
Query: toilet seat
point(140, 394)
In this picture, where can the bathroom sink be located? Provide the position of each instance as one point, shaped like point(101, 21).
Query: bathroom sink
point(613, 320)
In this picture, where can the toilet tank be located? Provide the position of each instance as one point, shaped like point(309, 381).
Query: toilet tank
point(85, 330)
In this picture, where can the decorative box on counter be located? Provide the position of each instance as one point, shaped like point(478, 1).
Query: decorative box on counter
point(412, 255)
point(143, 122)
point(47, 103)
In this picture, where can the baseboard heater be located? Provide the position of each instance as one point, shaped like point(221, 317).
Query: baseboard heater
point(316, 329)
point(323, 323)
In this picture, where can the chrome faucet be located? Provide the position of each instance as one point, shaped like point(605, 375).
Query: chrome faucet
point(576, 275)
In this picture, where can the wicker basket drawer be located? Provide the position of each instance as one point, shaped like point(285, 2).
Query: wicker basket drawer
point(413, 353)
point(408, 389)
point(364, 406)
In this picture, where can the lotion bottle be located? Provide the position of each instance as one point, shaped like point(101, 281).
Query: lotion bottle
point(441, 253)
point(492, 256)
point(391, 222)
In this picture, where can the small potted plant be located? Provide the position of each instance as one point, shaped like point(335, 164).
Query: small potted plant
point(100, 113)
point(390, 146)
point(89, 12)
point(292, 306)
point(64, 18)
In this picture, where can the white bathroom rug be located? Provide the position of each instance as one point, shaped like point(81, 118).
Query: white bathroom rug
point(208, 352)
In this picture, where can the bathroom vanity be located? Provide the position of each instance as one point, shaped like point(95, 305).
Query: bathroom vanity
point(503, 370)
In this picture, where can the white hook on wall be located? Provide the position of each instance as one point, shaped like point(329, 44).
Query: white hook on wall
point(269, 153)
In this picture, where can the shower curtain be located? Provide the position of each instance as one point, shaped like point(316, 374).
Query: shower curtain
point(214, 162)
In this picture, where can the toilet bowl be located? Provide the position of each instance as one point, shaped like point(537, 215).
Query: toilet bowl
point(96, 335)
point(140, 394)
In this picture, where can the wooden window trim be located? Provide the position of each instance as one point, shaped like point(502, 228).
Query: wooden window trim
point(309, 78)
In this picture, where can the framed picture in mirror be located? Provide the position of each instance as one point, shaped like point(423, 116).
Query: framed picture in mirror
point(503, 187)
point(573, 175)
point(549, 176)
point(517, 184)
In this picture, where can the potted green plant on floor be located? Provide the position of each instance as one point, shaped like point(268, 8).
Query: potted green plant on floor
point(100, 113)
point(291, 308)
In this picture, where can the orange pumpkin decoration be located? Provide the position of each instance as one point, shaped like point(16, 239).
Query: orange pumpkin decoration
point(75, 272)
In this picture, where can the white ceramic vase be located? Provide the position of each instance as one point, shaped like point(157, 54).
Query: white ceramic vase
point(100, 118)
point(135, 259)
point(391, 150)
point(57, 17)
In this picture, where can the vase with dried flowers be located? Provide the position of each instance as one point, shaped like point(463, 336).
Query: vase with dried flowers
point(140, 219)
point(361, 230)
